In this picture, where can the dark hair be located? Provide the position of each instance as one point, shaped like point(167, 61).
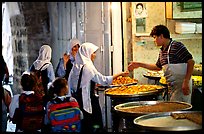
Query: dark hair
point(160, 29)
point(57, 85)
point(139, 4)
point(28, 81)
point(45, 43)
point(78, 45)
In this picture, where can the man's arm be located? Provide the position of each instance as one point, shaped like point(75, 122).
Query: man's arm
point(189, 71)
point(134, 65)
point(190, 66)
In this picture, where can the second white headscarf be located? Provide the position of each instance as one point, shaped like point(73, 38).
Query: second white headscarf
point(83, 57)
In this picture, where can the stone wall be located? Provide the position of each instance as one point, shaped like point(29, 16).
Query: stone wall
point(20, 51)
point(28, 31)
point(37, 24)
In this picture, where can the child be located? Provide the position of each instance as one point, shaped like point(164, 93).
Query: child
point(61, 99)
point(22, 104)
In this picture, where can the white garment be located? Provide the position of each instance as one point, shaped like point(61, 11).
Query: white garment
point(83, 57)
point(175, 74)
point(73, 42)
point(15, 102)
point(44, 56)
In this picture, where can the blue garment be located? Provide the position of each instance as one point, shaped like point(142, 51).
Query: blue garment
point(61, 70)
point(50, 73)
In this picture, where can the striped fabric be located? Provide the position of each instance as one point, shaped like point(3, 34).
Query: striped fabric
point(178, 54)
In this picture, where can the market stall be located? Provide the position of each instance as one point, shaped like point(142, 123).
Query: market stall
point(124, 94)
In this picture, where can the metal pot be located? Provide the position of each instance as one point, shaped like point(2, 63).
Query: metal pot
point(126, 118)
point(165, 122)
point(123, 108)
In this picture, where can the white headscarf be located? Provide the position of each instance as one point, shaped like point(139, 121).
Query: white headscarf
point(43, 57)
point(83, 57)
point(73, 42)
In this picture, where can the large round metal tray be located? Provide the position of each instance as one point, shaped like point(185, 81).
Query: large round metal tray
point(112, 86)
point(136, 95)
point(119, 108)
point(152, 77)
point(148, 93)
point(164, 122)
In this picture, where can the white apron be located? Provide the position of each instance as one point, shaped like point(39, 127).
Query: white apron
point(175, 74)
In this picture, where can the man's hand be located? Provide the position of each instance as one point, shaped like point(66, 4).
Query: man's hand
point(185, 87)
point(132, 65)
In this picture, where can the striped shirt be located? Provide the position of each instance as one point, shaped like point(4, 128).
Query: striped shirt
point(178, 54)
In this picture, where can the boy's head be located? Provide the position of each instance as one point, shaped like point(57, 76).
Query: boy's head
point(160, 29)
point(28, 81)
point(60, 86)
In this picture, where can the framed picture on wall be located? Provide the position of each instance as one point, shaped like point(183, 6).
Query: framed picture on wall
point(140, 15)
point(190, 6)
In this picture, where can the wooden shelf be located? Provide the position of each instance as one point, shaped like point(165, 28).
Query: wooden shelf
point(189, 36)
point(186, 36)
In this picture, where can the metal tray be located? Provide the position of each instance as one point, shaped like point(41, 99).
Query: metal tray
point(118, 108)
point(152, 77)
point(152, 92)
point(113, 86)
point(166, 126)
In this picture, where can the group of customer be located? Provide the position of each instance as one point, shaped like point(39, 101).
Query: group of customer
point(78, 68)
point(69, 68)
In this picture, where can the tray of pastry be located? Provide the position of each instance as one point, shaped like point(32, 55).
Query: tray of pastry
point(134, 90)
point(153, 74)
point(170, 121)
point(120, 81)
point(137, 108)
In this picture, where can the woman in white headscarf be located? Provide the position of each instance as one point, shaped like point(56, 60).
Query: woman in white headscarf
point(66, 62)
point(84, 92)
point(43, 62)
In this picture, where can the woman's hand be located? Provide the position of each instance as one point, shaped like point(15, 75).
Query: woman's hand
point(125, 74)
point(66, 59)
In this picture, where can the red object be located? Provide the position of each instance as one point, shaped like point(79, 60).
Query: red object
point(57, 106)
